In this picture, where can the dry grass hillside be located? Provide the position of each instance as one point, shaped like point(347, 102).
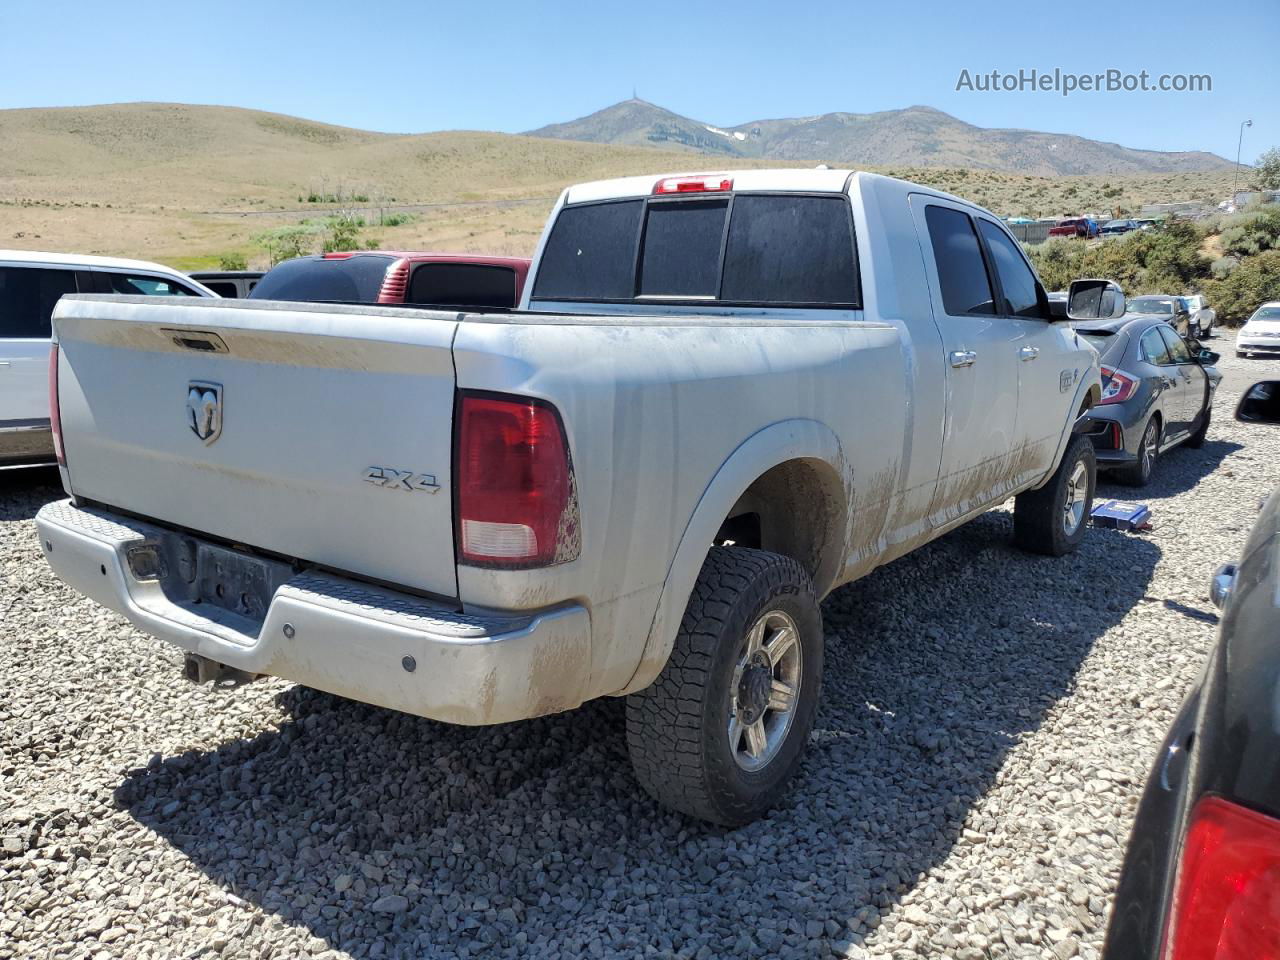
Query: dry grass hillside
point(185, 184)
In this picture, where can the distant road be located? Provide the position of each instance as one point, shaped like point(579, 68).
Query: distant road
point(370, 210)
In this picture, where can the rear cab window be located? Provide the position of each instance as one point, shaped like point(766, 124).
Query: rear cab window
point(462, 285)
point(742, 249)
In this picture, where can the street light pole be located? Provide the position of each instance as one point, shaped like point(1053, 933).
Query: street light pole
point(1236, 173)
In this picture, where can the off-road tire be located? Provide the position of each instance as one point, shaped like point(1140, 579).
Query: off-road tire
point(1196, 440)
point(677, 728)
point(1140, 472)
point(1038, 515)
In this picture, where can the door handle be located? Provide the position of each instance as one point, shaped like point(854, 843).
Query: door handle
point(963, 358)
point(1028, 353)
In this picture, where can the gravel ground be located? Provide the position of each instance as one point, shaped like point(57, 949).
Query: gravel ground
point(989, 718)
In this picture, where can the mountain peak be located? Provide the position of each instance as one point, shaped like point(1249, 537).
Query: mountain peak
point(918, 135)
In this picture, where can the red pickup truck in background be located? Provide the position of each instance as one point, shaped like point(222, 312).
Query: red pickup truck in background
point(1074, 227)
point(397, 276)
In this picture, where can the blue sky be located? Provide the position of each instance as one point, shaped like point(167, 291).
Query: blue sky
point(404, 66)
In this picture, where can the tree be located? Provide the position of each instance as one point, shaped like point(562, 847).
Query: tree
point(1267, 172)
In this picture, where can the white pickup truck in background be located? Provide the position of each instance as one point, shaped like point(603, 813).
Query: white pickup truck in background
point(724, 396)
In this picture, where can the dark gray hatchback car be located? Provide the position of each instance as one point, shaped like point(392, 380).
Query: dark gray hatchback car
point(1157, 392)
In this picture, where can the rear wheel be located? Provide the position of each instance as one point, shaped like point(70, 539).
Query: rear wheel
point(723, 728)
point(1053, 519)
point(1139, 473)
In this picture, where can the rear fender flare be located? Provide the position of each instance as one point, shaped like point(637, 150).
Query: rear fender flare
point(773, 445)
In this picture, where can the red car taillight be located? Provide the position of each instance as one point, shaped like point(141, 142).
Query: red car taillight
point(514, 484)
point(55, 418)
point(1227, 902)
point(1117, 385)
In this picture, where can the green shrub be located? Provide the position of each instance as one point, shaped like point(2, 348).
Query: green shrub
point(1253, 232)
point(1223, 266)
point(233, 261)
point(343, 234)
point(286, 243)
point(1254, 281)
point(1150, 261)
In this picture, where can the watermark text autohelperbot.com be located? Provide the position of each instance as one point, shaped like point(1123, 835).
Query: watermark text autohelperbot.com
point(1066, 83)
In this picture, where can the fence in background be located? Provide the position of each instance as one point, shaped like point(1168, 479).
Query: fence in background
point(1030, 232)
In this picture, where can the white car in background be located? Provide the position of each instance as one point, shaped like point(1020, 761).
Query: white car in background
point(30, 285)
point(1261, 332)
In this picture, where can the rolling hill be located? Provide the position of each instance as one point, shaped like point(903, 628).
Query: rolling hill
point(915, 136)
point(184, 184)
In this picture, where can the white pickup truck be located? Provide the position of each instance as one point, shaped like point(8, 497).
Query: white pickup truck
point(721, 398)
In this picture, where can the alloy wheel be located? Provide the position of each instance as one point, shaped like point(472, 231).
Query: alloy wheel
point(765, 690)
point(1077, 494)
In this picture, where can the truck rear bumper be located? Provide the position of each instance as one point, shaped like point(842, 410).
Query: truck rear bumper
point(349, 638)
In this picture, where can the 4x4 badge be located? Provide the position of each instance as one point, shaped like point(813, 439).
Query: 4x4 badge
point(204, 410)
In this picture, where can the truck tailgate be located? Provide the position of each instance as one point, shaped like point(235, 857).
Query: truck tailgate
point(322, 433)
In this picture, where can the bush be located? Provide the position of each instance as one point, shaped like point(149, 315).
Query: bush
point(1150, 261)
point(343, 234)
point(1254, 281)
point(286, 243)
point(233, 261)
point(1223, 266)
point(1253, 232)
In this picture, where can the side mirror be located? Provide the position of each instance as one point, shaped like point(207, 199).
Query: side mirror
point(1095, 300)
point(1209, 357)
point(1260, 403)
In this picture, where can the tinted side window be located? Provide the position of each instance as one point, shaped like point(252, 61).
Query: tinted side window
point(147, 286)
point(1016, 279)
point(1154, 349)
point(962, 274)
point(223, 288)
point(463, 285)
point(590, 254)
point(1177, 346)
point(681, 255)
point(27, 299)
point(790, 250)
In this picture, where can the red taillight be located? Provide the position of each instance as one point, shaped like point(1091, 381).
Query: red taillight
point(1227, 902)
point(395, 282)
point(1117, 385)
point(514, 483)
point(55, 418)
point(711, 184)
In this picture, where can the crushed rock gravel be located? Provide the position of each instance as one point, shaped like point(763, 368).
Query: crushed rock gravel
point(989, 718)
